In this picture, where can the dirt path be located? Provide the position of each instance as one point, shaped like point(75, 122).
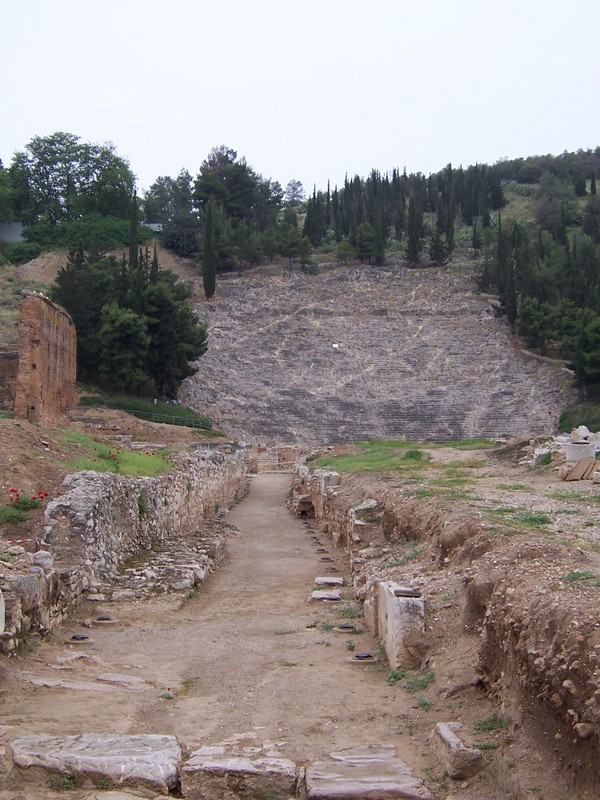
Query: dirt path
point(248, 659)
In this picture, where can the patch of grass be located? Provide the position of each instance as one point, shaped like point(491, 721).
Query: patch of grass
point(65, 783)
point(534, 520)
point(350, 612)
point(513, 487)
point(350, 645)
point(396, 676)
point(12, 515)
point(187, 684)
point(289, 663)
point(410, 552)
point(166, 413)
point(424, 704)
point(486, 745)
point(578, 576)
point(451, 481)
point(492, 723)
point(421, 680)
point(102, 458)
point(408, 724)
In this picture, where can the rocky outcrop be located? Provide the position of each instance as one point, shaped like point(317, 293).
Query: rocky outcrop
point(367, 353)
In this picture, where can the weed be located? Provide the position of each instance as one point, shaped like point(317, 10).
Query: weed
point(289, 663)
point(427, 771)
point(409, 725)
point(64, 783)
point(422, 680)
point(487, 745)
point(395, 676)
point(350, 645)
point(410, 552)
point(491, 723)
point(325, 626)
point(102, 783)
point(143, 505)
point(191, 594)
point(424, 704)
point(350, 612)
point(187, 684)
point(576, 576)
point(513, 487)
point(12, 515)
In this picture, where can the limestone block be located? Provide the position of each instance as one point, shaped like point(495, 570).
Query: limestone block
point(359, 773)
point(457, 760)
point(146, 760)
point(214, 776)
point(400, 625)
point(325, 581)
point(325, 594)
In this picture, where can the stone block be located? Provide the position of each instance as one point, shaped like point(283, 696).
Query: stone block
point(359, 773)
point(400, 625)
point(325, 594)
point(148, 761)
point(212, 775)
point(457, 760)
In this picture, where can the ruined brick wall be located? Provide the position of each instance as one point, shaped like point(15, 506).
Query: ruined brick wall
point(45, 386)
point(9, 363)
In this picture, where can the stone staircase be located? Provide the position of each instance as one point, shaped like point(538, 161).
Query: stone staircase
point(367, 353)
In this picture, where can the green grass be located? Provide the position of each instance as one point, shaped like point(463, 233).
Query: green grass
point(167, 413)
point(492, 723)
point(381, 455)
point(578, 576)
point(513, 487)
point(101, 458)
point(419, 681)
point(12, 515)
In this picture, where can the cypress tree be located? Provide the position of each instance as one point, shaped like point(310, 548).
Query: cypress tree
point(133, 245)
point(593, 184)
point(209, 266)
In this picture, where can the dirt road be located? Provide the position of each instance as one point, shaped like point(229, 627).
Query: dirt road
point(248, 660)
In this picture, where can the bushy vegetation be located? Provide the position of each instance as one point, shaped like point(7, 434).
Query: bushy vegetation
point(147, 409)
point(102, 458)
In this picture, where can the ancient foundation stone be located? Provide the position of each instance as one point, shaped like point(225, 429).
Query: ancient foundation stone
point(400, 624)
point(360, 773)
point(210, 774)
point(457, 760)
point(150, 761)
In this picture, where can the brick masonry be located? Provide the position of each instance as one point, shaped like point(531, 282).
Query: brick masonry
point(47, 348)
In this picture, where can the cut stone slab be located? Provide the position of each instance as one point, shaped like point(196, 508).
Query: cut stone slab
point(324, 594)
point(59, 683)
point(326, 581)
point(131, 682)
point(212, 775)
point(458, 760)
point(360, 773)
point(146, 760)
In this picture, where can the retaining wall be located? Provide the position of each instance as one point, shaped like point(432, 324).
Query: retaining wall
point(101, 522)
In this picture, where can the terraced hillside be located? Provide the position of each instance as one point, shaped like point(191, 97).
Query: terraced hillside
point(358, 353)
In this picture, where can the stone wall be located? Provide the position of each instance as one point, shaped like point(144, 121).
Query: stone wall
point(45, 385)
point(100, 523)
point(9, 364)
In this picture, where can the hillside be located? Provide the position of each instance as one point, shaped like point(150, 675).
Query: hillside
point(361, 352)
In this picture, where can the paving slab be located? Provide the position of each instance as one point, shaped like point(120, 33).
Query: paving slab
point(367, 772)
point(145, 760)
point(210, 774)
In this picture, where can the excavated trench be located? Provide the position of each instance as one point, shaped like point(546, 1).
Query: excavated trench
point(249, 670)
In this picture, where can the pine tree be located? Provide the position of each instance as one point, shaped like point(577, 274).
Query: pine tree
point(209, 265)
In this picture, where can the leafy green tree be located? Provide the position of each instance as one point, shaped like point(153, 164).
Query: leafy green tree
point(414, 230)
point(5, 195)
point(58, 178)
point(537, 323)
point(438, 249)
point(294, 194)
point(124, 343)
point(365, 243)
point(83, 288)
point(345, 251)
point(176, 337)
point(209, 259)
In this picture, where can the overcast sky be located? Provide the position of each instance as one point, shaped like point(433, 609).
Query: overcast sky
point(310, 89)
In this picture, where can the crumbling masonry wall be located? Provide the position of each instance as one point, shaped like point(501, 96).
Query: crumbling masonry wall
point(102, 521)
point(45, 384)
